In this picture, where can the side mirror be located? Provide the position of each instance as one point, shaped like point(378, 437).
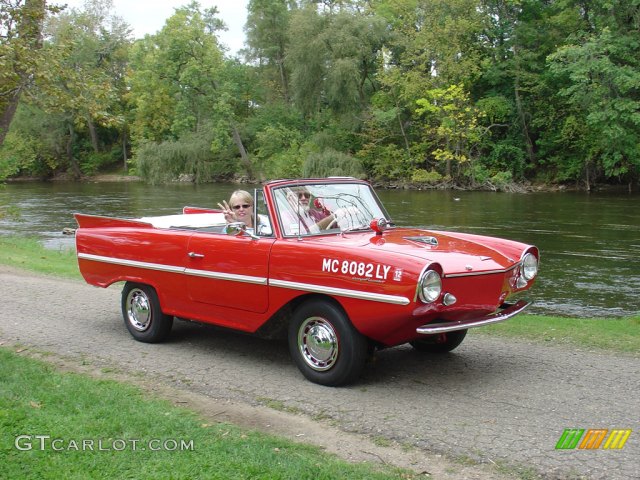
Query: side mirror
point(378, 225)
point(239, 228)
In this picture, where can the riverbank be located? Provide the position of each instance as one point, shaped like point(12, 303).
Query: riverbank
point(510, 187)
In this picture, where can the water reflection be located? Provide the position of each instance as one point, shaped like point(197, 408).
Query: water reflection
point(590, 243)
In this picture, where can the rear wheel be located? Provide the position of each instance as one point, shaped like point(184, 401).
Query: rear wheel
point(439, 343)
point(142, 313)
point(326, 348)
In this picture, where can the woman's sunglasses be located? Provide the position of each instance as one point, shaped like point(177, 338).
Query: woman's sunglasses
point(244, 206)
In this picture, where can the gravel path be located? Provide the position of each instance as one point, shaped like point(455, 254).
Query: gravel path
point(492, 401)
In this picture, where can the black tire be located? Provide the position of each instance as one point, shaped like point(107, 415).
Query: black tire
point(439, 343)
point(143, 315)
point(324, 345)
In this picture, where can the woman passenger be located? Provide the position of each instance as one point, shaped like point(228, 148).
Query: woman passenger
point(239, 208)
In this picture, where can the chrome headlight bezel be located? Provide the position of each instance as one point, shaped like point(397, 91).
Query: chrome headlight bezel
point(529, 266)
point(430, 286)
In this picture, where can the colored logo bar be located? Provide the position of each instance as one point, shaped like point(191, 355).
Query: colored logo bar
point(593, 438)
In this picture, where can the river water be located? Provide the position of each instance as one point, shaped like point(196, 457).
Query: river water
point(589, 243)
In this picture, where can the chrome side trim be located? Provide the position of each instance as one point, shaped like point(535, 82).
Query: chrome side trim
point(226, 276)
point(132, 263)
point(376, 297)
point(475, 274)
point(508, 311)
point(173, 269)
point(342, 292)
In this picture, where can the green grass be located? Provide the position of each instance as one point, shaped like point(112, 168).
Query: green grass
point(29, 254)
point(48, 420)
point(613, 334)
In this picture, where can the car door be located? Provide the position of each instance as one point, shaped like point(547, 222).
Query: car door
point(229, 271)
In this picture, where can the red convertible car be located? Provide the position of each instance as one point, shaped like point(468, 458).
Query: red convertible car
point(322, 264)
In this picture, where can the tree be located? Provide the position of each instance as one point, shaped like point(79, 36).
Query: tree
point(179, 87)
point(335, 67)
point(267, 26)
point(603, 93)
point(451, 126)
point(20, 44)
point(84, 78)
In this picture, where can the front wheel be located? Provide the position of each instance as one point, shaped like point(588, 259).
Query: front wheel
point(326, 348)
point(439, 343)
point(142, 313)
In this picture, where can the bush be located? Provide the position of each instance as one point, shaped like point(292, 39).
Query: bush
point(190, 155)
point(17, 154)
point(331, 163)
point(421, 175)
point(94, 162)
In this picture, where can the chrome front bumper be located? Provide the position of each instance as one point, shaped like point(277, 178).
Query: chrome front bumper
point(507, 310)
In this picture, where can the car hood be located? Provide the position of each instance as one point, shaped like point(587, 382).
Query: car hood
point(457, 253)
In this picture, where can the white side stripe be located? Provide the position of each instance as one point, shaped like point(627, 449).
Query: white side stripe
point(226, 276)
point(131, 263)
point(343, 292)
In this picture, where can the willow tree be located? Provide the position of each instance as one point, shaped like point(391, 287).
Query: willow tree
point(335, 67)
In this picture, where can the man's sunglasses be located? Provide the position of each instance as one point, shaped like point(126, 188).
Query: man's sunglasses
point(304, 195)
point(244, 205)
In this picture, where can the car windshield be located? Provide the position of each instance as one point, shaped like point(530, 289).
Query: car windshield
point(310, 209)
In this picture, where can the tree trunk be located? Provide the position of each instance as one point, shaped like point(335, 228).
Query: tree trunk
point(93, 134)
point(283, 77)
point(523, 123)
point(243, 152)
point(520, 109)
point(124, 150)
point(8, 111)
point(73, 163)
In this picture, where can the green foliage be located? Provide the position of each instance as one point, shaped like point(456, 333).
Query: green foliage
point(17, 154)
point(335, 66)
point(420, 175)
point(20, 53)
point(476, 91)
point(278, 151)
point(94, 162)
point(331, 162)
point(386, 162)
point(451, 127)
point(191, 157)
point(603, 90)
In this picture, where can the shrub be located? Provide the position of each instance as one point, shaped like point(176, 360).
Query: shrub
point(190, 155)
point(421, 175)
point(331, 163)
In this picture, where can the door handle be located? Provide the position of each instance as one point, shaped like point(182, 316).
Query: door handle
point(195, 255)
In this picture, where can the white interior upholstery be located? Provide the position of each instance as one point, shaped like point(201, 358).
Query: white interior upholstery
point(191, 220)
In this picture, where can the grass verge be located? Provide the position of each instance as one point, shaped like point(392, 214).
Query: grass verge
point(29, 254)
point(612, 334)
point(65, 425)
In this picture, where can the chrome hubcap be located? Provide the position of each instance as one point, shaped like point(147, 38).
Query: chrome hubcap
point(318, 343)
point(138, 310)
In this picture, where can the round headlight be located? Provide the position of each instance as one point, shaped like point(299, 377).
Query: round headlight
point(529, 266)
point(430, 286)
